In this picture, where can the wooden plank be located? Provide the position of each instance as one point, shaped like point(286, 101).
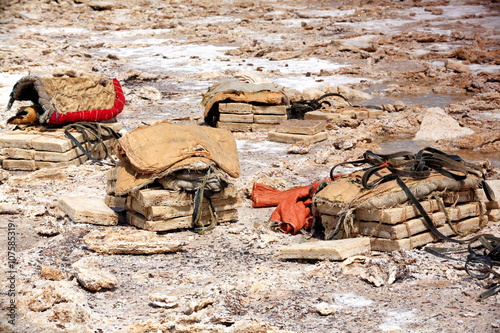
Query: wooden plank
point(236, 118)
point(297, 126)
point(87, 210)
point(183, 222)
point(338, 249)
point(237, 108)
point(466, 226)
point(269, 118)
point(293, 138)
point(269, 109)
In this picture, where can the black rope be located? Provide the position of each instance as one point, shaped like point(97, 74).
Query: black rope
point(298, 109)
point(420, 165)
point(94, 134)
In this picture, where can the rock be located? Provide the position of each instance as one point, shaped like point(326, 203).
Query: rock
point(456, 66)
point(149, 93)
point(48, 230)
point(325, 309)
point(164, 301)
point(312, 93)
point(92, 278)
point(51, 273)
point(4, 175)
point(351, 95)
point(101, 5)
point(6, 208)
point(131, 242)
point(200, 304)
point(437, 125)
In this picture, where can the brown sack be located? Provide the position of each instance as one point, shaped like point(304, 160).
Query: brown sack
point(347, 192)
point(235, 90)
point(154, 151)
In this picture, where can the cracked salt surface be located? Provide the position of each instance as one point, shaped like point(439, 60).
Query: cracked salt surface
point(352, 300)
point(396, 319)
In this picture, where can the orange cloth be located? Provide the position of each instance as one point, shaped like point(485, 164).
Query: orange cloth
point(293, 211)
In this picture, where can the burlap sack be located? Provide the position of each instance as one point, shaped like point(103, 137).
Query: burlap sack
point(152, 152)
point(348, 193)
point(235, 90)
point(70, 99)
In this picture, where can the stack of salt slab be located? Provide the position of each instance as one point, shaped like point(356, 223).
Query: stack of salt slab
point(41, 147)
point(157, 208)
point(246, 117)
point(457, 209)
point(296, 130)
point(340, 113)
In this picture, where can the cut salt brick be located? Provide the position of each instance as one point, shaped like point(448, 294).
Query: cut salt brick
point(19, 165)
point(269, 109)
point(236, 118)
point(87, 210)
point(465, 226)
point(183, 222)
point(307, 127)
point(293, 138)
point(240, 108)
point(320, 115)
point(263, 127)
point(235, 127)
point(338, 249)
point(269, 119)
point(16, 140)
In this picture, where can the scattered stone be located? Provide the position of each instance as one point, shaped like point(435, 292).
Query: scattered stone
point(325, 309)
point(101, 5)
point(456, 66)
point(131, 242)
point(86, 210)
point(51, 273)
point(164, 301)
point(6, 208)
point(200, 304)
point(149, 93)
point(48, 230)
point(92, 278)
point(437, 125)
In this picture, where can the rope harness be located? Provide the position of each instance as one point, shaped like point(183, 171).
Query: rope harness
point(94, 137)
point(298, 109)
point(419, 166)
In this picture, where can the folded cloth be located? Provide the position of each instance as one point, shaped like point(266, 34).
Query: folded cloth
point(293, 211)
